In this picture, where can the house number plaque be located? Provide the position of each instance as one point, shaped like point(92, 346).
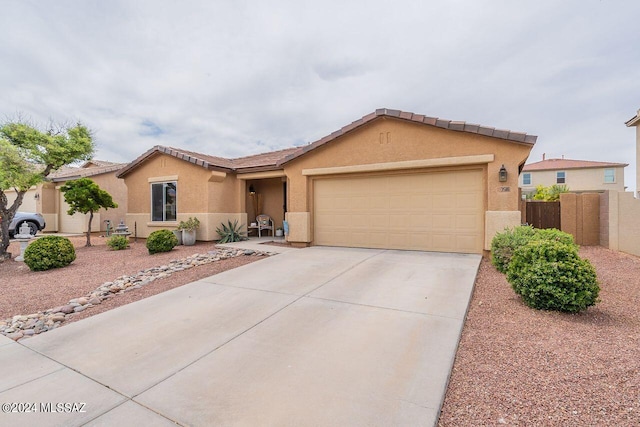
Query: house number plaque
point(504, 189)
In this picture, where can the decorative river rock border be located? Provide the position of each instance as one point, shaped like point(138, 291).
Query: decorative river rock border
point(22, 326)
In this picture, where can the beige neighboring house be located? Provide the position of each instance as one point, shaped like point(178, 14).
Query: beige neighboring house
point(47, 199)
point(635, 122)
point(578, 175)
point(391, 179)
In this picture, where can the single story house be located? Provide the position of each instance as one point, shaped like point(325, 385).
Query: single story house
point(390, 179)
point(47, 199)
point(578, 175)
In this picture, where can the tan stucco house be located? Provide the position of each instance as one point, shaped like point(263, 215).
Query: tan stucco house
point(391, 179)
point(47, 199)
point(635, 122)
point(578, 175)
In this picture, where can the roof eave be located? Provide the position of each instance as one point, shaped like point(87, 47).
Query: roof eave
point(382, 113)
point(159, 149)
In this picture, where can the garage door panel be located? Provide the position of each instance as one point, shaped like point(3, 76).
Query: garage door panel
point(466, 222)
point(429, 211)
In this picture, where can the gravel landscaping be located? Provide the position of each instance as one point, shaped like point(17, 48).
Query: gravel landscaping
point(520, 366)
point(23, 292)
point(514, 366)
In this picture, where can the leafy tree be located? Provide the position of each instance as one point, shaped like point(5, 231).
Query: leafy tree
point(28, 156)
point(549, 194)
point(85, 196)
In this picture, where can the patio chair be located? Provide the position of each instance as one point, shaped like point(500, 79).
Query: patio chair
point(264, 223)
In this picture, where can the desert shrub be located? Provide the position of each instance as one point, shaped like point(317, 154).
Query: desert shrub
point(117, 243)
point(49, 252)
point(504, 244)
point(231, 232)
point(161, 241)
point(554, 234)
point(550, 275)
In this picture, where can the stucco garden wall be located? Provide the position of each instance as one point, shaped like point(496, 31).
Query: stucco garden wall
point(619, 222)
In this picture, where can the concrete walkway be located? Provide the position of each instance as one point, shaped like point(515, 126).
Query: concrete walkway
point(318, 336)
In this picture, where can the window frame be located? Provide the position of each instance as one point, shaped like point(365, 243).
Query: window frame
point(166, 186)
point(526, 175)
point(613, 176)
point(563, 179)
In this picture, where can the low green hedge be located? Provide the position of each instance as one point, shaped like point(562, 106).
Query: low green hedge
point(161, 241)
point(49, 252)
point(550, 275)
point(118, 243)
point(504, 244)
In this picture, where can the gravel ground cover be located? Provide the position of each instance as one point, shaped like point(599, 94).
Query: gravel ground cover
point(24, 292)
point(520, 366)
point(514, 365)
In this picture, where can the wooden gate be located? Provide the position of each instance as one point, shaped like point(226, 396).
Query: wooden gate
point(543, 214)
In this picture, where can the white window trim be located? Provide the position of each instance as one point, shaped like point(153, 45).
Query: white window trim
point(530, 178)
point(564, 177)
point(614, 176)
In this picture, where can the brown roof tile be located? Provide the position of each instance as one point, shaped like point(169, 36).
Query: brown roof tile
point(85, 171)
point(275, 159)
point(458, 126)
point(269, 159)
point(560, 164)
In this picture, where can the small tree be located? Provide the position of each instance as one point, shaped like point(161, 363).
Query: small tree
point(549, 194)
point(85, 196)
point(28, 156)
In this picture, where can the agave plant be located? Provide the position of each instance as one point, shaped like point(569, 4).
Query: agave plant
point(232, 232)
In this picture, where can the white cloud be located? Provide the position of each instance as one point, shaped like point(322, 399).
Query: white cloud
point(237, 78)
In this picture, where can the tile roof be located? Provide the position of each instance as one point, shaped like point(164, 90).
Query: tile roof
point(199, 159)
point(264, 159)
point(66, 173)
point(557, 164)
point(276, 159)
point(459, 126)
point(257, 161)
point(93, 163)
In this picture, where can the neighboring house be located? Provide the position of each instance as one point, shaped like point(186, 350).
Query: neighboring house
point(577, 175)
point(391, 179)
point(47, 199)
point(635, 122)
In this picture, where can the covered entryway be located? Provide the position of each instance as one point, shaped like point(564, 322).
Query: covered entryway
point(431, 211)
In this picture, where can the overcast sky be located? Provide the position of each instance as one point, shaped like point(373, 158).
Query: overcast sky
point(242, 77)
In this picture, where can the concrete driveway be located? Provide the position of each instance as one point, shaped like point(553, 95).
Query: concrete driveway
point(318, 336)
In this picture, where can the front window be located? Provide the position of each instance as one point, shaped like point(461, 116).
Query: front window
point(560, 177)
point(163, 201)
point(609, 176)
point(526, 179)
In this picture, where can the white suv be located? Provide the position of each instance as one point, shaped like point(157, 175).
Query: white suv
point(35, 221)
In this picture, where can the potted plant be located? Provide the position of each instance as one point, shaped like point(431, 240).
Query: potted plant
point(279, 232)
point(178, 233)
point(189, 228)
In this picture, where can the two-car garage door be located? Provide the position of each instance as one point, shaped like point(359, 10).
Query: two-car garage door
point(436, 211)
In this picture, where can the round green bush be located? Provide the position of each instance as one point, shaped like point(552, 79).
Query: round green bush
point(161, 241)
point(117, 243)
point(49, 252)
point(504, 244)
point(550, 275)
